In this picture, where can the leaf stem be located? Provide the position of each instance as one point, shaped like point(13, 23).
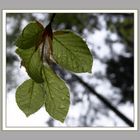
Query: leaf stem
point(46, 35)
point(42, 51)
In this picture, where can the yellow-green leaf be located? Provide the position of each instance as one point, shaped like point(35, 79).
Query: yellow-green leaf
point(57, 98)
point(30, 97)
point(71, 52)
point(30, 36)
point(31, 59)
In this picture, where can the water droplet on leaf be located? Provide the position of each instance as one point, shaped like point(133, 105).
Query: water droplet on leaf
point(68, 95)
point(58, 55)
point(52, 96)
point(61, 86)
point(62, 106)
point(50, 82)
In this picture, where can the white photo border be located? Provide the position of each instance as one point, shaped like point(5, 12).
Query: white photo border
point(135, 12)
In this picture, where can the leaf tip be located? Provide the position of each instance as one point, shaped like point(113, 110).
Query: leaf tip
point(62, 120)
point(90, 71)
point(27, 114)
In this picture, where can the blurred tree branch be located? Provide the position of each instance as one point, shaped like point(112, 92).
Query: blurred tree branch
point(105, 101)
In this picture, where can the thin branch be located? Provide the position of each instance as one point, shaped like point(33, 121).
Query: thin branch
point(106, 102)
point(51, 20)
point(47, 36)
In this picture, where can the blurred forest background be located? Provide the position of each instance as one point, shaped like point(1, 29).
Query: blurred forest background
point(104, 98)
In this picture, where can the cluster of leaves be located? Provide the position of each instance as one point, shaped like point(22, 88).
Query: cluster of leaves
point(38, 48)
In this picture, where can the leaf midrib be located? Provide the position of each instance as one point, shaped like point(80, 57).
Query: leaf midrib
point(49, 88)
point(68, 49)
point(30, 90)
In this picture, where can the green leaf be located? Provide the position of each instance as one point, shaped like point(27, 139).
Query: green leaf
point(71, 52)
point(30, 36)
point(57, 99)
point(31, 59)
point(30, 97)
